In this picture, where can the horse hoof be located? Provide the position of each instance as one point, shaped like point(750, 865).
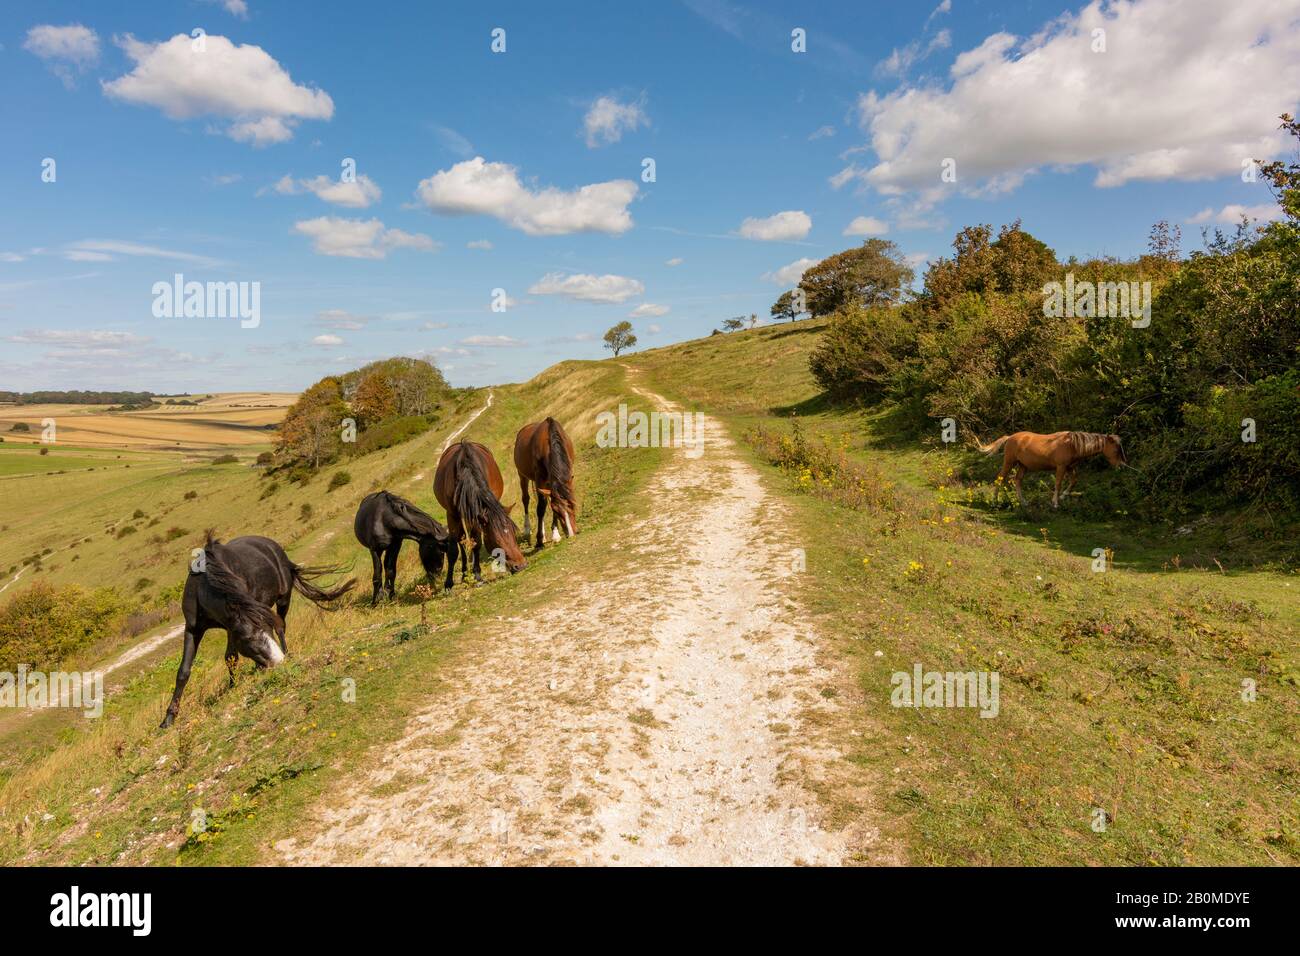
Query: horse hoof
point(166, 722)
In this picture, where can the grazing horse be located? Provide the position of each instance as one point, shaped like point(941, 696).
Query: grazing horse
point(243, 587)
point(1060, 452)
point(544, 456)
point(383, 522)
point(468, 485)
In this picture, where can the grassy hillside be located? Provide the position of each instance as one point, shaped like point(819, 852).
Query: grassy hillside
point(1121, 691)
point(251, 758)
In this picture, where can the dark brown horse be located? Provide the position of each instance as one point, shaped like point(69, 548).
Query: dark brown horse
point(1060, 452)
point(544, 456)
point(243, 587)
point(384, 520)
point(468, 485)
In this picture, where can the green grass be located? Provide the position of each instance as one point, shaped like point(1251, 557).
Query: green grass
point(255, 757)
point(1121, 691)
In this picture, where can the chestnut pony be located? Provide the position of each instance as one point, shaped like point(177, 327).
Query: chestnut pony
point(1060, 452)
point(468, 485)
point(544, 456)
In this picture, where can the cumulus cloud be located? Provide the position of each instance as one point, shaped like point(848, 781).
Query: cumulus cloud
point(483, 244)
point(243, 84)
point(1233, 213)
point(866, 226)
point(607, 120)
point(327, 341)
point(1186, 89)
point(790, 274)
point(674, 261)
point(359, 238)
point(588, 288)
point(648, 310)
point(821, 133)
point(66, 49)
point(494, 189)
point(357, 194)
point(784, 226)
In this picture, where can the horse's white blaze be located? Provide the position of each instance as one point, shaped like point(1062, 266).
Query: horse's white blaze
point(276, 654)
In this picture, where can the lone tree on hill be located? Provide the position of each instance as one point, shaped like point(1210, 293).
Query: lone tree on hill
point(874, 273)
point(786, 307)
point(620, 337)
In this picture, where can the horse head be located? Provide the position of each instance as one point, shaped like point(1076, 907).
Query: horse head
point(1113, 449)
point(501, 535)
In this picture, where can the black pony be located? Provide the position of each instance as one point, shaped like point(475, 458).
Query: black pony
point(243, 587)
point(383, 522)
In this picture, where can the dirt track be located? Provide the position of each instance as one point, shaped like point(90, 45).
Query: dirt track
point(665, 721)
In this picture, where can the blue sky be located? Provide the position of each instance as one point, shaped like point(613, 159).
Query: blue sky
point(169, 163)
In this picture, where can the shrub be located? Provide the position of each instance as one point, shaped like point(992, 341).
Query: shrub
point(305, 512)
point(41, 626)
point(225, 460)
point(20, 427)
point(45, 451)
point(129, 529)
point(338, 480)
point(390, 433)
point(138, 514)
point(191, 495)
point(172, 533)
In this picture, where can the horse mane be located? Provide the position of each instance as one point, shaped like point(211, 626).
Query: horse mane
point(558, 466)
point(1087, 443)
point(473, 497)
point(226, 582)
point(421, 521)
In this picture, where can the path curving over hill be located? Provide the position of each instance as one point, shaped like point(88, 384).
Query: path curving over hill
point(667, 713)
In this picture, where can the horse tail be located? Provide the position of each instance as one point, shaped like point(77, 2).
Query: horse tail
point(993, 447)
point(224, 580)
point(302, 577)
point(558, 466)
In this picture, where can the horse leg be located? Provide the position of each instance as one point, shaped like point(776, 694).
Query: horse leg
point(193, 635)
point(281, 612)
point(455, 531)
point(541, 513)
point(523, 491)
point(377, 576)
point(390, 568)
point(478, 571)
point(1017, 476)
point(1074, 476)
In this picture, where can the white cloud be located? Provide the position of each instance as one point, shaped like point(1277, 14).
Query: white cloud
point(483, 244)
point(648, 310)
point(237, 7)
point(588, 288)
point(902, 59)
point(491, 341)
point(342, 320)
point(653, 329)
point(943, 7)
point(821, 133)
point(1234, 212)
point(675, 261)
point(1186, 89)
point(494, 189)
point(607, 120)
point(242, 83)
point(104, 250)
point(784, 226)
point(866, 226)
point(357, 194)
point(64, 48)
point(359, 238)
point(87, 340)
point(327, 341)
point(790, 274)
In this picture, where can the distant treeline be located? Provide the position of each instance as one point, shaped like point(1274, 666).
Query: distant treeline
point(77, 398)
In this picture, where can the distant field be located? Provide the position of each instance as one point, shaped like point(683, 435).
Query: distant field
point(223, 421)
point(18, 460)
